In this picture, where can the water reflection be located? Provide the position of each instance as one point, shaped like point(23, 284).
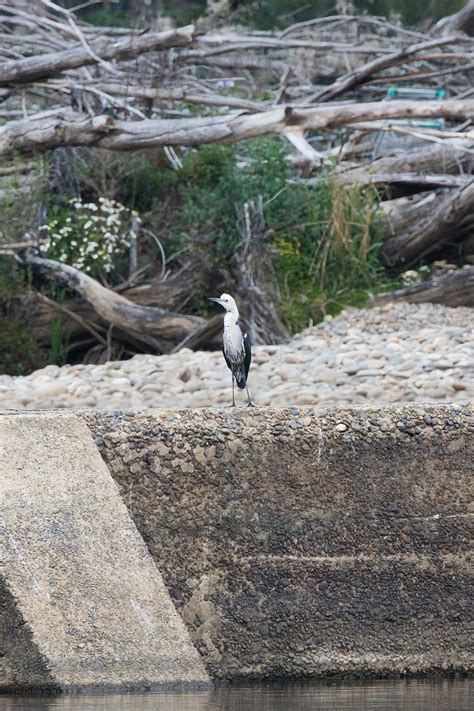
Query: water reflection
point(441, 695)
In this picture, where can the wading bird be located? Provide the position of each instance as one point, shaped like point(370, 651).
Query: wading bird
point(236, 345)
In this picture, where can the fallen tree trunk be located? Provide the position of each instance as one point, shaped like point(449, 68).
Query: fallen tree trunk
point(418, 180)
point(443, 158)
point(365, 72)
point(156, 327)
point(456, 288)
point(20, 71)
point(462, 21)
point(184, 94)
point(54, 129)
point(81, 327)
point(416, 227)
point(203, 335)
point(170, 295)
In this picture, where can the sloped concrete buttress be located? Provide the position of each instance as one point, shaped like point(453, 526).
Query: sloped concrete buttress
point(82, 603)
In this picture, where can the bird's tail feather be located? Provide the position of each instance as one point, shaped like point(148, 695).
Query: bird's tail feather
point(240, 379)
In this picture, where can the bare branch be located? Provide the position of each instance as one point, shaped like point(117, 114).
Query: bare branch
point(364, 72)
point(53, 129)
point(46, 65)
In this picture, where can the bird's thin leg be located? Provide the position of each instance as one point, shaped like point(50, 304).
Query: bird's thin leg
point(250, 403)
point(233, 398)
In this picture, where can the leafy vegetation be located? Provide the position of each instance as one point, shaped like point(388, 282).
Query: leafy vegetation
point(88, 235)
point(279, 13)
point(269, 14)
point(59, 342)
point(325, 237)
point(19, 351)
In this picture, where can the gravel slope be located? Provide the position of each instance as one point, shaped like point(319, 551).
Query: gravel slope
point(394, 353)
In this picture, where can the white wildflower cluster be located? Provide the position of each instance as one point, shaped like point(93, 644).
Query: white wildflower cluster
point(89, 235)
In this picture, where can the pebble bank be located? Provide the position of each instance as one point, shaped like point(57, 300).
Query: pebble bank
point(393, 353)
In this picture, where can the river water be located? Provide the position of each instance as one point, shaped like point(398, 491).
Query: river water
point(410, 695)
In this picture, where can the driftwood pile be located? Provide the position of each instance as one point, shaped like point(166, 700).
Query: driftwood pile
point(66, 84)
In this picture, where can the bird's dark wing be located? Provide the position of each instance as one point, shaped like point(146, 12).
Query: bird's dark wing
point(229, 364)
point(247, 345)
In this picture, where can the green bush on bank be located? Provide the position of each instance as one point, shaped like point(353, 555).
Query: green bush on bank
point(265, 14)
point(325, 238)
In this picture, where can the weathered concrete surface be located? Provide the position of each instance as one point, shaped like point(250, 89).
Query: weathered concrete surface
point(306, 542)
point(81, 601)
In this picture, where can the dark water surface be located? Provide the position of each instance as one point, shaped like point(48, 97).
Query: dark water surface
point(412, 695)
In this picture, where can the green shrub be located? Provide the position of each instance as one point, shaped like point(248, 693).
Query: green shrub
point(325, 236)
point(59, 342)
point(327, 255)
point(19, 352)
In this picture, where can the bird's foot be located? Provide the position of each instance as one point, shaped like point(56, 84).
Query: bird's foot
point(251, 404)
point(233, 405)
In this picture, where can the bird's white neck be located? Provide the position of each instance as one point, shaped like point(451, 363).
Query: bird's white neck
point(230, 319)
point(232, 312)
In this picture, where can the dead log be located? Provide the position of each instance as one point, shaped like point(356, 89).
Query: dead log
point(434, 159)
point(415, 227)
point(255, 277)
point(80, 319)
point(417, 180)
point(462, 21)
point(20, 71)
point(71, 315)
point(54, 129)
point(40, 313)
point(203, 335)
point(172, 294)
point(455, 288)
point(184, 94)
point(81, 326)
point(152, 325)
point(362, 74)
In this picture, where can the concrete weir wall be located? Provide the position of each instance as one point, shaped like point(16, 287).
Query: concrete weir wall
point(291, 542)
point(82, 603)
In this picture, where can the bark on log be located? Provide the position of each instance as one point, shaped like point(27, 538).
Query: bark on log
point(53, 129)
point(203, 335)
point(419, 226)
point(29, 306)
point(416, 180)
point(435, 158)
point(150, 324)
point(462, 21)
point(456, 288)
point(80, 316)
point(171, 294)
point(186, 95)
point(255, 276)
point(20, 71)
point(366, 71)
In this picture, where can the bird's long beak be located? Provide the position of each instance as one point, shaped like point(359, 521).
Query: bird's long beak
point(217, 300)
